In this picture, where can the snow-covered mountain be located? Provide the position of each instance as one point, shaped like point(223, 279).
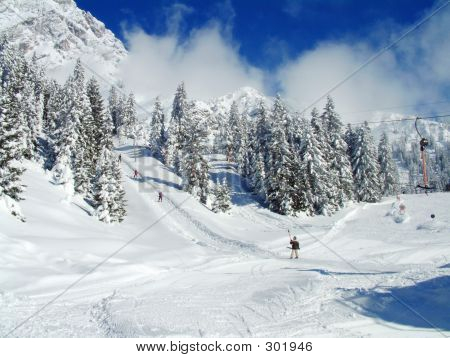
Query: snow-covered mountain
point(59, 32)
point(247, 98)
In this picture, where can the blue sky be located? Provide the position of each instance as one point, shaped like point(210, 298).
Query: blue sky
point(267, 31)
point(298, 48)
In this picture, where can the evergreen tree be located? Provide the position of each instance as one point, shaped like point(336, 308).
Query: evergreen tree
point(100, 130)
point(157, 141)
point(350, 139)
point(193, 166)
point(315, 171)
point(262, 134)
point(234, 132)
point(388, 170)
point(329, 199)
point(73, 147)
point(365, 166)
point(108, 196)
point(258, 177)
point(12, 134)
point(280, 178)
point(242, 147)
point(222, 197)
point(130, 121)
point(337, 156)
point(115, 108)
point(53, 107)
point(177, 130)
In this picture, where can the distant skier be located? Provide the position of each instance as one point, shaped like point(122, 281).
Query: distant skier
point(295, 246)
point(160, 197)
point(135, 174)
point(120, 158)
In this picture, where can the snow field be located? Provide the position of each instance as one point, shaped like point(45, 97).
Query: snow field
point(195, 273)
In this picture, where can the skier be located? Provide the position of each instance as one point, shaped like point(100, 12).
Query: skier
point(160, 197)
point(135, 174)
point(120, 158)
point(294, 245)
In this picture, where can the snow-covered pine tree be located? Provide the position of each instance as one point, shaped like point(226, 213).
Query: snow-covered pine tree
point(280, 180)
point(315, 170)
point(337, 157)
point(350, 139)
point(234, 130)
point(222, 197)
point(388, 169)
point(258, 176)
point(39, 81)
point(366, 169)
point(262, 133)
point(11, 130)
point(115, 108)
point(121, 104)
point(51, 122)
point(31, 104)
point(157, 140)
point(85, 157)
point(74, 140)
point(294, 131)
point(101, 128)
point(193, 166)
point(221, 136)
point(28, 108)
point(177, 130)
point(119, 208)
point(108, 195)
point(242, 148)
point(130, 119)
point(108, 192)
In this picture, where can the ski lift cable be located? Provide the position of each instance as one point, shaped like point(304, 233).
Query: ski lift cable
point(404, 119)
point(376, 55)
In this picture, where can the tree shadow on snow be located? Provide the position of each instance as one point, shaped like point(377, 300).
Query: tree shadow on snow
point(241, 194)
point(424, 305)
point(163, 182)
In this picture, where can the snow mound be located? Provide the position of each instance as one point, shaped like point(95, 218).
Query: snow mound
point(434, 226)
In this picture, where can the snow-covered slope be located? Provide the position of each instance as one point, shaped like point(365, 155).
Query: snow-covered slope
point(59, 33)
point(181, 270)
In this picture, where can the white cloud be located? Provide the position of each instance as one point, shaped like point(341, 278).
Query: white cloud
point(417, 71)
point(175, 15)
point(209, 64)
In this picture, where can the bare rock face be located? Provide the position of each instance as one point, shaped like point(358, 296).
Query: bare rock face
point(58, 32)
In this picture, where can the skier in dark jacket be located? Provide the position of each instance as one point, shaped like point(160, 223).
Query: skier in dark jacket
point(160, 197)
point(295, 246)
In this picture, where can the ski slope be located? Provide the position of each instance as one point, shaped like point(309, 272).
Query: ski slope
point(176, 269)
